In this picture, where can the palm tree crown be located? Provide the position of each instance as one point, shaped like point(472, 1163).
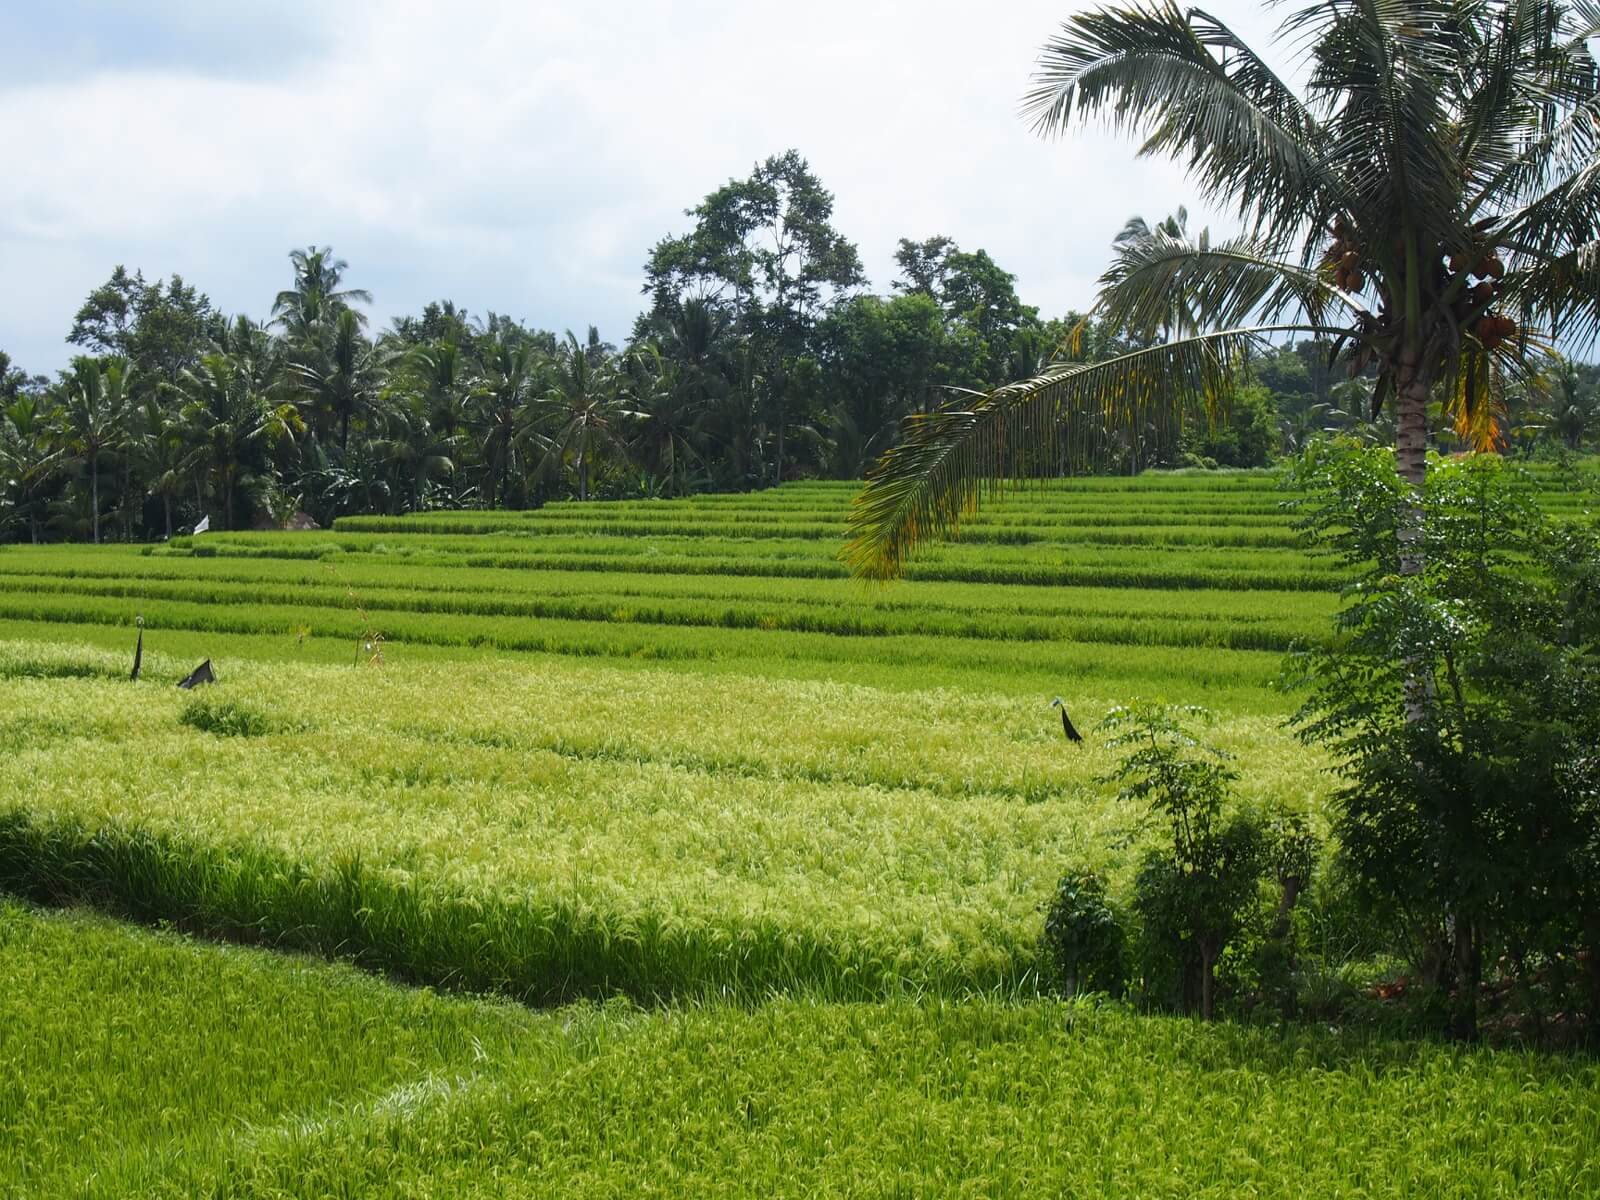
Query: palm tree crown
point(1431, 204)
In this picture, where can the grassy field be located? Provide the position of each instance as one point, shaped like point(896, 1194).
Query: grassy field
point(139, 1063)
point(666, 750)
point(567, 828)
point(1122, 591)
point(126, 1055)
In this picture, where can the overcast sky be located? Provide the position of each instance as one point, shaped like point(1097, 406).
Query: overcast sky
point(522, 157)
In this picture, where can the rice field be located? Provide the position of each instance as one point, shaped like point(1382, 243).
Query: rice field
point(664, 754)
point(137, 1063)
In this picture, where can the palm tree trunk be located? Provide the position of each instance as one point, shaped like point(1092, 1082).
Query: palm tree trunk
point(166, 511)
point(583, 476)
point(94, 496)
point(1411, 461)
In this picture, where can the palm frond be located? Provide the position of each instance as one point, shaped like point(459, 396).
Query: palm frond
point(1566, 216)
point(1527, 91)
point(1149, 70)
point(1393, 148)
point(924, 487)
point(1564, 295)
point(1161, 283)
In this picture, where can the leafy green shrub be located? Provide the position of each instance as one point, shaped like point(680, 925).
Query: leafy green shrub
point(1194, 909)
point(1462, 703)
point(1198, 898)
point(1084, 942)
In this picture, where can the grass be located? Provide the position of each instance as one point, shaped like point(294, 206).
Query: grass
point(127, 1055)
point(976, 1099)
point(665, 750)
point(572, 829)
point(144, 1064)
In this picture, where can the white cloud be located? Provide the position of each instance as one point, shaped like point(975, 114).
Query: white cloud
point(524, 157)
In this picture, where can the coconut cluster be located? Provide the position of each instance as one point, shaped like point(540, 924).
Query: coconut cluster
point(1484, 272)
point(1345, 257)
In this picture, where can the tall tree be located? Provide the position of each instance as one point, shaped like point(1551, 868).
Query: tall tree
point(316, 299)
point(766, 249)
point(583, 414)
point(990, 331)
point(505, 412)
point(232, 421)
point(1138, 236)
point(160, 328)
point(163, 455)
point(672, 412)
point(1572, 404)
point(1432, 203)
point(95, 419)
point(28, 458)
point(924, 265)
point(104, 323)
point(14, 381)
point(340, 372)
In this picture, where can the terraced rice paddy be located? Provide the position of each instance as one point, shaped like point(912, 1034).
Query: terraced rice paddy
point(1122, 590)
point(136, 1063)
point(667, 751)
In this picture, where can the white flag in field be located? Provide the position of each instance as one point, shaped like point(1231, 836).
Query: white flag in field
point(205, 524)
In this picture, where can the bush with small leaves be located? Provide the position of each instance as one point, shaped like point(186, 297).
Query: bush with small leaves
point(1084, 943)
point(1196, 897)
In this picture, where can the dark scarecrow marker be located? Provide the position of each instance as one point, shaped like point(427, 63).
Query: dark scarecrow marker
point(201, 674)
point(138, 651)
point(1066, 722)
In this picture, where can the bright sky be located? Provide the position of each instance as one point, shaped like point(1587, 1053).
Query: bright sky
point(523, 157)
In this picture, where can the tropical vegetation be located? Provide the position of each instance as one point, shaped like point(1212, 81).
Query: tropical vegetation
point(755, 362)
point(558, 811)
point(1428, 205)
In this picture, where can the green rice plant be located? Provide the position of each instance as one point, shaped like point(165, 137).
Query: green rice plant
point(982, 1098)
point(129, 1058)
point(1118, 622)
point(137, 1063)
point(232, 717)
point(669, 835)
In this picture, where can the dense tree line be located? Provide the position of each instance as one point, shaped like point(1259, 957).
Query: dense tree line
point(760, 356)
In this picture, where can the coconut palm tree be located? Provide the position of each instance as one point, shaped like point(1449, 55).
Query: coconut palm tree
point(1431, 203)
point(95, 419)
point(28, 458)
point(505, 413)
point(442, 378)
point(413, 449)
point(316, 299)
point(340, 371)
point(164, 456)
point(667, 397)
point(231, 420)
point(582, 413)
point(1137, 237)
point(1573, 411)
